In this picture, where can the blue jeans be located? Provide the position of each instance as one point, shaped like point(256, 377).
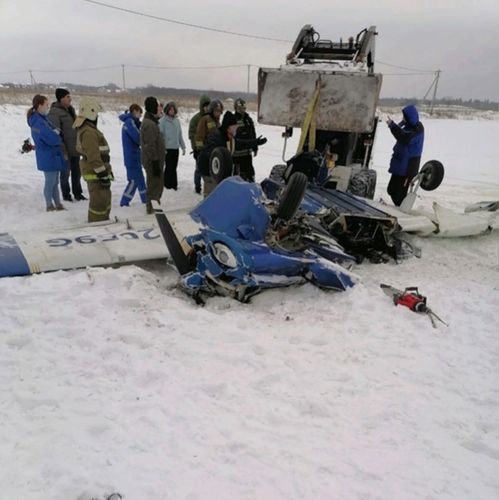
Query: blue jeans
point(51, 189)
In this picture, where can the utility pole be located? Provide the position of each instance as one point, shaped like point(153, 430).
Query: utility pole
point(434, 92)
point(123, 76)
point(248, 82)
point(32, 79)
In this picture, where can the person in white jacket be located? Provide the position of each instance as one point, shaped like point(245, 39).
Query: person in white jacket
point(172, 133)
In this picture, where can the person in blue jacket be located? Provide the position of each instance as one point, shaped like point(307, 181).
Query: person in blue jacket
point(48, 150)
point(130, 137)
point(407, 151)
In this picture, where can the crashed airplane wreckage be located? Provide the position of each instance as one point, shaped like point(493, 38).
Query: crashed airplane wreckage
point(311, 220)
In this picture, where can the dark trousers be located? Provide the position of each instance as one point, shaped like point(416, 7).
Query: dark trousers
point(197, 174)
point(398, 187)
point(243, 166)
point(171, 162)
point(73, 170)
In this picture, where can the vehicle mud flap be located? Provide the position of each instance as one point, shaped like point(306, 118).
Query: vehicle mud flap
point(363, 183)
point(177, 254)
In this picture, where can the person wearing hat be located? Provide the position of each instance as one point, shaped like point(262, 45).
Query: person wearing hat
point(95, 163)
point(130, 139)
point(208, 123)
point(406, 157)
point(171, 129)
point(152, 151)
point(204, 102)
point(243, 158)
point(62, 115)
point(225, 136)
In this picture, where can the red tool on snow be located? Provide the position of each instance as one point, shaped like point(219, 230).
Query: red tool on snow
point(411, 298)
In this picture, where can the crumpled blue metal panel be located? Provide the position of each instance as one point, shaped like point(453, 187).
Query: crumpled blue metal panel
point(234, 208)
point(233, 258)
point(317, 198)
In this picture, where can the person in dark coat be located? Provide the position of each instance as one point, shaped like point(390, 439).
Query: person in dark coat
point(243, 158)
point(130, 138)
point(62, 115)
point(204, 103)
point(407, 151)
point(224, 136)
point(48, 150)
point(152, 151)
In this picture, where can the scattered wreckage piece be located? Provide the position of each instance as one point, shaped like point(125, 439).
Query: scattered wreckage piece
point(361, 229)
point(428, 178)
point(441, 222)
point(483, 206)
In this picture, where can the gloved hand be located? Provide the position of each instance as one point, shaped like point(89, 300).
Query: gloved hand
point(261, 140)
point(389, 121)
point(110, 174)
point(104, 179)
point(255, 152)
point(105, 157)
point(183, 152)
point(195, 153)
point(156, 169)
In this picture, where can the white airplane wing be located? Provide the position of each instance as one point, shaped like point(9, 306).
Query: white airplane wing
point(97, 244)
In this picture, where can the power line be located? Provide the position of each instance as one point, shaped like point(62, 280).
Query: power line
point(23, 71)
point(82, 70)
point(139, 66)
point(190, 25)
point(405, 68)
point(407, 74)
point(188, 67)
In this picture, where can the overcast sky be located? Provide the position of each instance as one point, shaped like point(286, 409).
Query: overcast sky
point(460, 37)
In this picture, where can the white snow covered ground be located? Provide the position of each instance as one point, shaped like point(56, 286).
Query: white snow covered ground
point(113, 380)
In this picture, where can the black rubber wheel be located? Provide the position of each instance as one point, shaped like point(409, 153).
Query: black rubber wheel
point(432, 175)
point(363, 183)
point(221, 164)
point(292, 196)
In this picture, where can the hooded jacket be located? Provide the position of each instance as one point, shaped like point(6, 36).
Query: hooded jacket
point(63, 119)
point(48, 144)
point(130, 138)
point(172, 132)
point(193, 124)
point(409, 146)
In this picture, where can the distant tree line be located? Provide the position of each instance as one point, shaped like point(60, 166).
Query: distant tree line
point(483, 105)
